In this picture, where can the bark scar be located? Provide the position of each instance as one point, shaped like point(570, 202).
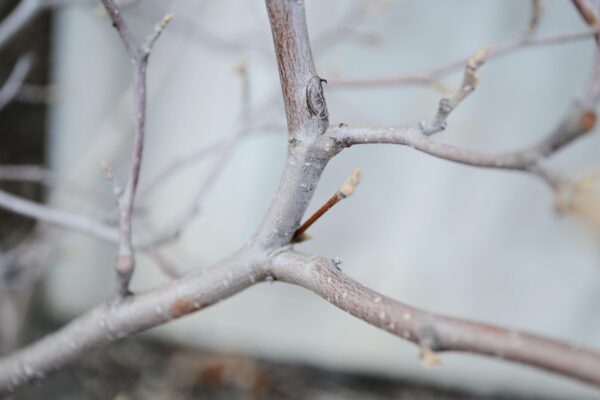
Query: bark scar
point(315, 100)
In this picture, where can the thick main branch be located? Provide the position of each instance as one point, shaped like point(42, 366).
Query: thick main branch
point(302, 90)
point(307, 119)
point(109, 322)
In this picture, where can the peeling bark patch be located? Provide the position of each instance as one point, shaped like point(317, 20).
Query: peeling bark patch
point(181, 307)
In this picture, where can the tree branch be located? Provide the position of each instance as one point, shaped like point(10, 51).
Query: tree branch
point(15, 80)
point(109, 322)
point(432, 75)
point(448, 104)
point(534, 19)
point(588, 12)
point(575, 124)
point(139, 61)
point(24, 12)
point(302, 92)
point(268, 252)
point(346, 190)
point(46, 177)
point(57, 217)
point(307, 119)
point(242, 127)
point(432, 332)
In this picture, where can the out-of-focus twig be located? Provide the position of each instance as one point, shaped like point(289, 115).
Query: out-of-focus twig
point(432, 76)
point(535, 17)
point(242, 126)
point(13, 83)
point(57, 217)
point(46, 177)
point(588, 12)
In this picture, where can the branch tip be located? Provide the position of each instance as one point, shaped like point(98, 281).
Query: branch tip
point(158, 30)
point(349, 186)
point(429, 358)
point(448, 104)
point(536, 15)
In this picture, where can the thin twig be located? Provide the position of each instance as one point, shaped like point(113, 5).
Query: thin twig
point(177, 165)
point(535, 17)
point(345, 28)
point(247, 121)
point(165, 266)
point(46, 177)
point(18, 18)
point(15, 80)
point(57, 217)
point(588, 12)
point(448, 104)
point(139, 60)
point(575, 124)
point(344, 191)
point(433, 75)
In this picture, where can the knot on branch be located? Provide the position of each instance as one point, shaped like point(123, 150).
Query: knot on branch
point(427, 337)
point(315, 102)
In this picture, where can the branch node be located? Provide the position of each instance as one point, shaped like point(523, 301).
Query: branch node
point(270, 278)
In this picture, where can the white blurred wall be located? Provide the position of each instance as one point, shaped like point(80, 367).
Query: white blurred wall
point(471, 243)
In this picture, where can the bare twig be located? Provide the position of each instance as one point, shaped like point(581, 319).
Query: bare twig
point(57, 217)
point(139, 60)
point(588, 12)
point(431, 76)
point(15, 80)
point(24, 12)
point(189, 28)
point(250, 119)
point(43, 176)
point(467, 87)
point(534, 19)
point(345, 28)
point(177, 165)
point(153, 37)
point(575, 124)
point(344, 191)
point(247, 121)
point(165, 266)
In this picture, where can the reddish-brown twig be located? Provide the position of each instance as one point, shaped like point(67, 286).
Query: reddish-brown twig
point(345, 190)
